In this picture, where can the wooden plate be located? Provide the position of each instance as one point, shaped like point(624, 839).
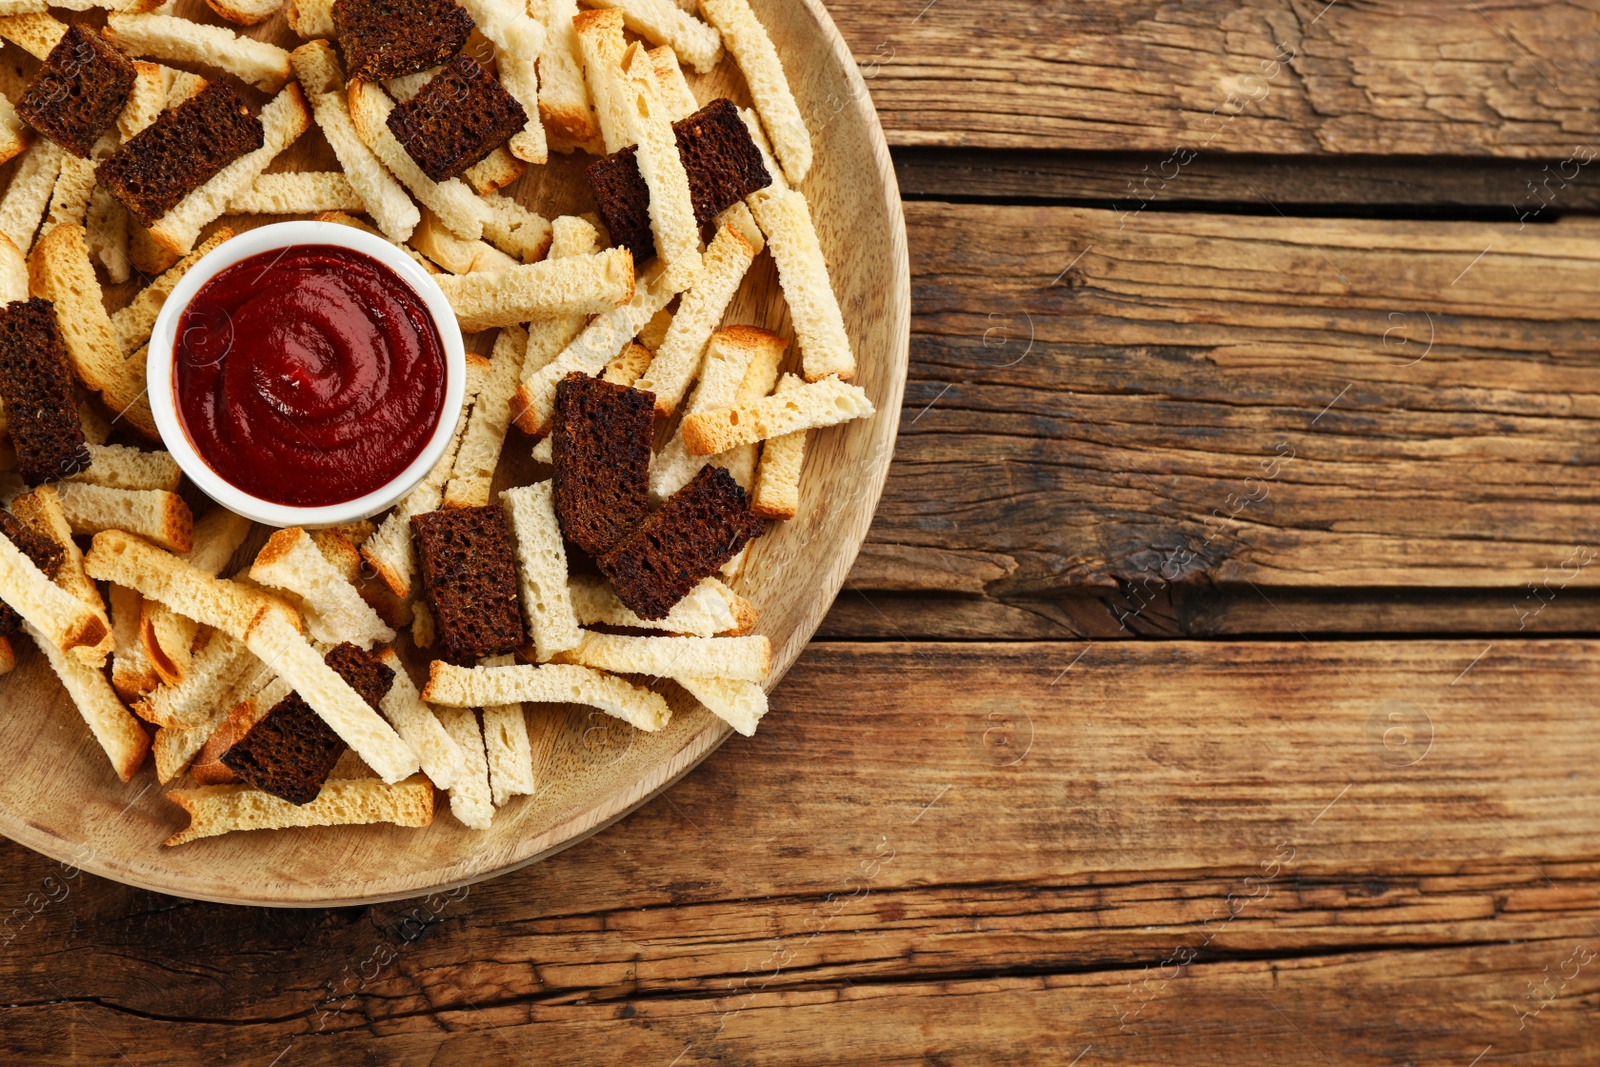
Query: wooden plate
point(59, 797)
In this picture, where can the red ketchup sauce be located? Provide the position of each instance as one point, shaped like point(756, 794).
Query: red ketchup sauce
point(308, 376)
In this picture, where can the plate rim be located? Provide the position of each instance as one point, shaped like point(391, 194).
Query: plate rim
point(617, 804)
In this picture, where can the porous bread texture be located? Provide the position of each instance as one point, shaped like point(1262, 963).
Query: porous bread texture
point(266, 66)
point(485, 435)
point(125, 467)
point(710, 609)
point(663, 22)
point(776, 493)
point(730, 355)
point(221, 809)
point(752, 49)
point(28, 194)
point(803, 273)
point(160, 517)
point(117, 732)
point(386, 201)
point(550, 683)
point(471, 801)
point(439, 753)
point(283, 120)
point(457, 206)
point(601, 436)
point(811, 406)
point(746, 659)
point(739, 704)
point(436, 241)
point(132, 323)
point(576, 285)
point(542, 569)
point(59, 618)
point(36, 384)
point(297, 193)
point(678, 359)
point(334, 609)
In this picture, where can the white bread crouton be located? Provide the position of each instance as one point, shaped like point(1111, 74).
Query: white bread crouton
point(61, 619)
point(123, 467)
point(542, 569)
point(678, 357)
point(457, 206)
point(525, 235)
point(246, 12)
point(13, 272)
point(41, 510)
point(803, 273)
point(61, 272)
point(752, 49)
point(811, 406)
point(216, 671)
point(601, 47)
point(485, 436)
point(159, 517)
point(311, 18)
point(436, 241)
point(729, 356)
point(284, 118)
point(776, 494)
point(131, 673)
point(710, 609)
point(591, 350)
point(297, 193)
point(506, 748)
point(441, 757)
point(33, 32)
point(318, 70)
point(333, 608)
point(665, 23)
point(494, 171)
point(672, 218)
point(739, 704)
point(564, 101)
point(470, 799)
point(114, 727)
point(133, 323)
point(266, 66)
point(14, 133)
point(26, 198)
point(551, 683)
point(745, 659)
point(629, 365)
point(222, 809)
point(576, 285)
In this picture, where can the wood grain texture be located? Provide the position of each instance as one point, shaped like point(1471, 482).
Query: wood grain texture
point(1126, 402)
point(994, 864)
point(590, 771)
point(1286, 77)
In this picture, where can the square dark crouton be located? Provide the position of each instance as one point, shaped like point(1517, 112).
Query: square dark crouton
point(387, 38)
point(722, 161)
point(45, 554)
point(469, 580)
point(79, 91)
point(600, 446)
point(36, 387)
point(703, 526)
point(459, 117)
point(180, 151)
point(291, 751)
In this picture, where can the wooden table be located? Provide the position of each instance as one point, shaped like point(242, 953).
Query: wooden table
point(1217, 682)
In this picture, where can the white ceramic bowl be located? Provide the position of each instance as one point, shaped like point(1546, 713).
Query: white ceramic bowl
point(163, 402)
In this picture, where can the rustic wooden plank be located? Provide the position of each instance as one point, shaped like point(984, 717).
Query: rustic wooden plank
point(1391, 77)
point(1207, 611)
point(1001, 830)
point(1125, 402)
point(1489, 190)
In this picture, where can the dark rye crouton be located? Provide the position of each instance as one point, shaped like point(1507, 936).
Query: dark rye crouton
point(36, 388)
point(600, 447)
point(290, 752)
point(703, 526)
point(180, 151)
point(387, 38)
point(469, 580)
point(459, 117)
point(45, 554)
point(623, 201)
point(79, 91)
point(723, 164)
